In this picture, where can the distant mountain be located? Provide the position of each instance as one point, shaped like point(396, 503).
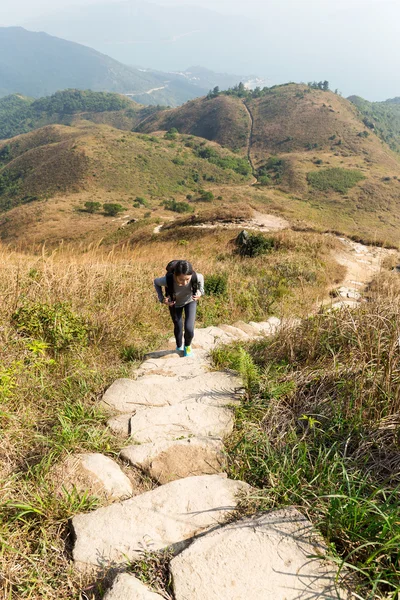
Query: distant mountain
point(37, 64)
point(381, 117)
point(168, 38)
point(393, 100)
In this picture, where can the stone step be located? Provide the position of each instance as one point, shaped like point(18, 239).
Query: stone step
point(167, 517)
point(166, 461)
point(215, 388)
point(183, 420)
point(95, 474)
point(174, 365)
point(266, 557)
point(269, 327)
point(127, 587)
point(247, 328)
point(235, 333)
point(206, 338)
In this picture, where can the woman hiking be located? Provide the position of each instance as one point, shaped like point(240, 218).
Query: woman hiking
point(183, 287)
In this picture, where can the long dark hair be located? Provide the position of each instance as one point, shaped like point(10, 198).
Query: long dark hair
point(183, 267)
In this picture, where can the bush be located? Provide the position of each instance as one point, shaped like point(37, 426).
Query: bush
point(205, 196)
point(336, 179)
point(216, 285)
point(112, 209)
point(55, 324)
point(179, 207)
point(141, 201)
point(239, 165)
point(253, 244)
point(178, 161)
point(92, 207)
point(171, 134)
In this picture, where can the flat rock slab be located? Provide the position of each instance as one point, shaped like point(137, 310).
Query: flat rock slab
point(183, 420)
point(216, 388)
point(168, 516)
point(260, 558)
point(269, 327)
point(175, 366)
point(207, 338)
point(249, 329)
point(127, 587)
point(166, 461)
point(95, 474)
point(235, 332)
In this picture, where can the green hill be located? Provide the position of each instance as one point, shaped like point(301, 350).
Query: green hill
point(222, 119)
point(315, 159)
point(381, 117)
point(19, 114)
point(47, 174)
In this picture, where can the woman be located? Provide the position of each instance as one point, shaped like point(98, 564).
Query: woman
point(183, 288)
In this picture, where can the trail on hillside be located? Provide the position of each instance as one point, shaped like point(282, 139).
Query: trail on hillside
point(250, 141)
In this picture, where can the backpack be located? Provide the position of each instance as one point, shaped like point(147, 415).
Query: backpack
point(169, 288)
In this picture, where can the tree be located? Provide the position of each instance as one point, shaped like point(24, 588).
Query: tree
point(92, 207)
point(171, 134)
point(112, 209)
point(325, 86)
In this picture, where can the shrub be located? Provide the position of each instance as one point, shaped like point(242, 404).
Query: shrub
point(141, 201)
point(92, 207)
point(239, 165)
point(253, 244)
point(171, 134)
point(337, 179)
point(216, 285)
point(56, 324)
point(205, 196)
point(178, 161)
point(179, 207)
point(112, 209)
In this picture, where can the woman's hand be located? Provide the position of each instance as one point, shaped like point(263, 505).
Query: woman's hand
point(196, 297)
point(168, 302)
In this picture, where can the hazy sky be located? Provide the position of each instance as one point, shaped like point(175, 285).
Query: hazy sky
point(353, 43)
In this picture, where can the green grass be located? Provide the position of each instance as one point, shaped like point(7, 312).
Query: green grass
point(336, 179)
point(319, 430)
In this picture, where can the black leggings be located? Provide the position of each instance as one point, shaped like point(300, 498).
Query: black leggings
point(176, 313)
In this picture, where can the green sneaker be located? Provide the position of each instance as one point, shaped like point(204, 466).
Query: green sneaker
point(179, 348)
point(188, 351)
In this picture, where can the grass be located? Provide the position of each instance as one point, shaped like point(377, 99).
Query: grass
point(51, 378)
point(337, 179)
point(319, 431)
point(223, 120)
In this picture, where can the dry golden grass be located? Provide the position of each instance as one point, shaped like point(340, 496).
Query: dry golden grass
point(223, 119)
point(48, 399)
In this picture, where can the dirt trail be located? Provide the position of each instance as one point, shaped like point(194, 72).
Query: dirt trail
point(250, 142)
point(362, 264)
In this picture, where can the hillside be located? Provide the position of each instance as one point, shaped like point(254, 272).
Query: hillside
point(19, 114)
point(223, 120)
point(315, 160)
point(381, 117)
point(47, 175)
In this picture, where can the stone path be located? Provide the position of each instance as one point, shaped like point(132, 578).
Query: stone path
point(177, 412)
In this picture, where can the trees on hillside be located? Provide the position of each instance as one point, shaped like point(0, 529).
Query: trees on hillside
point(319, 85)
